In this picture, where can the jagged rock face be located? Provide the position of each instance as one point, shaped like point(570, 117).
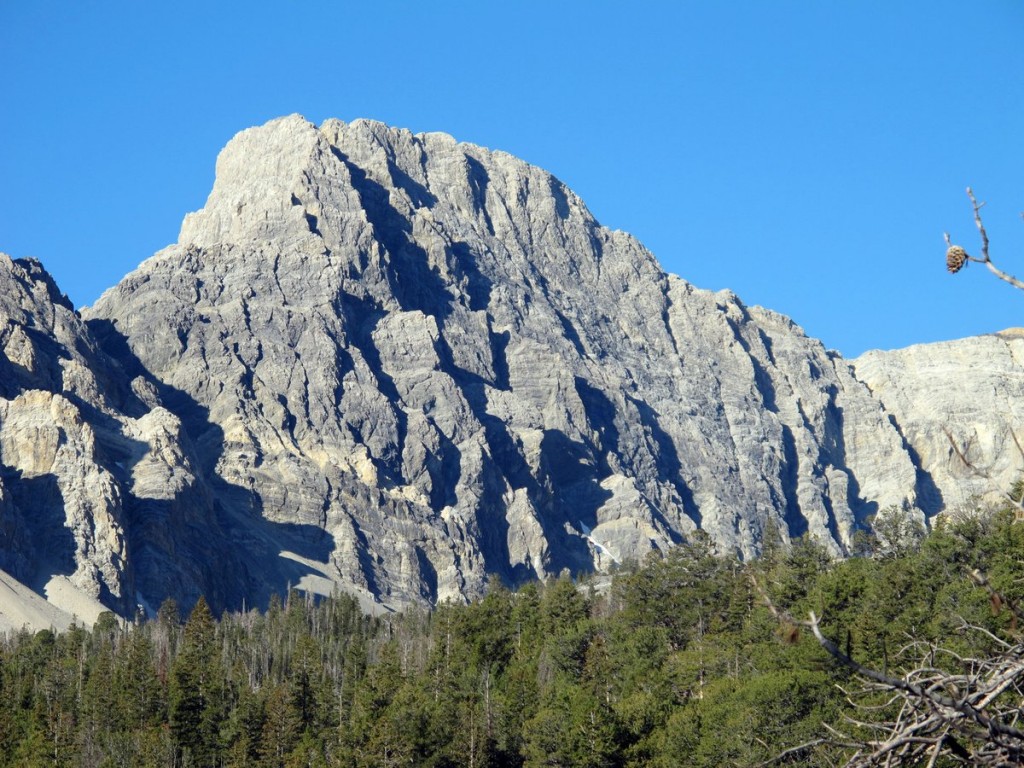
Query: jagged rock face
point(960, 406)
point(398, 363)
point(95, 476)
point(61, 507)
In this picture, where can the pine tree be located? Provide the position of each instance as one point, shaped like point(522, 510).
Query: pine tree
point(141, 697)
point(197, 689)
point(282, 727)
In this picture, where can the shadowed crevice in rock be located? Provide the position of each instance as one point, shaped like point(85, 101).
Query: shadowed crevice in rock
point(500, 441)
point(929, 495)
point(560, 198)
point(428, 575)
point(419, 195)
point(36, 273)
point(361, 317)
point(766, 342)
point(493, 524)
point(311, 220)
point(414, 282)
point(503, 466)
point(762, 379)
point(498, 343)
point(445, 468)
point(669, 463)
point(796, 523)
point(368, 562)
point(9, 374)
point(477, 285)
point(572, 495)
point(571, 334)
point(602, 415)
point(479, 180)
point(764, 385)
point(563, 465)
point(607, 420)
point(46, 372)
point(42, 545)
point(861, 508)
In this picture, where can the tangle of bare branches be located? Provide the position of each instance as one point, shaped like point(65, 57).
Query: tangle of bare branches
point(964, 710)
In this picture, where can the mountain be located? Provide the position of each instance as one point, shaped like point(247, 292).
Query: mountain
point(63, 429)
point(397, 365)
point(960, 407)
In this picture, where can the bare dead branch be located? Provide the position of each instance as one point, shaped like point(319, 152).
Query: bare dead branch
point(985, 258)
point(799, 749)
point(981, 227)
point(962, 455)
point(961, 715)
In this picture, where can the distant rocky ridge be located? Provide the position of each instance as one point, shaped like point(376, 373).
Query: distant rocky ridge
point(960, 407)
point(394, 364)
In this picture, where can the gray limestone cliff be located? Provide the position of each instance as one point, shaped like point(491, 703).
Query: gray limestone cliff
point(433, 355)
point(960, 407)
point(62, 517)
point(61, 512)
point(394, 364)
point(101, 505)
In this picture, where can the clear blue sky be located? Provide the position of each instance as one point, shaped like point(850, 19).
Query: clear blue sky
point(807, 155)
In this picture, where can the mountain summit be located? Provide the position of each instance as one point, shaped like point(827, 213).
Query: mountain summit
point(396, 364)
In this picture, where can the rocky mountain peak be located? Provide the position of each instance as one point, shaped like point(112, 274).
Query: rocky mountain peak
point(396, 364)
point(258, 173)
point(426, 348)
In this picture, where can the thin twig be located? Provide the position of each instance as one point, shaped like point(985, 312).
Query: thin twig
point(962, 455)
point(792, 751)
point(985, 258)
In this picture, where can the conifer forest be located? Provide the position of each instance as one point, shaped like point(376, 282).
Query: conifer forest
point(687, 659)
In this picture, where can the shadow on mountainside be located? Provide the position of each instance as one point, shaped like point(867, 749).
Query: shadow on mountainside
point(211, 538)
point(415, 282)
point(929, 495)
point(38, 544)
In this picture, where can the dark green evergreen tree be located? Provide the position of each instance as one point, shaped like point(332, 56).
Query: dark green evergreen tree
point(197, 689)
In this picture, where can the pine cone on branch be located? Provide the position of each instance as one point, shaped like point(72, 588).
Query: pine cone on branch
point(956, 259)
